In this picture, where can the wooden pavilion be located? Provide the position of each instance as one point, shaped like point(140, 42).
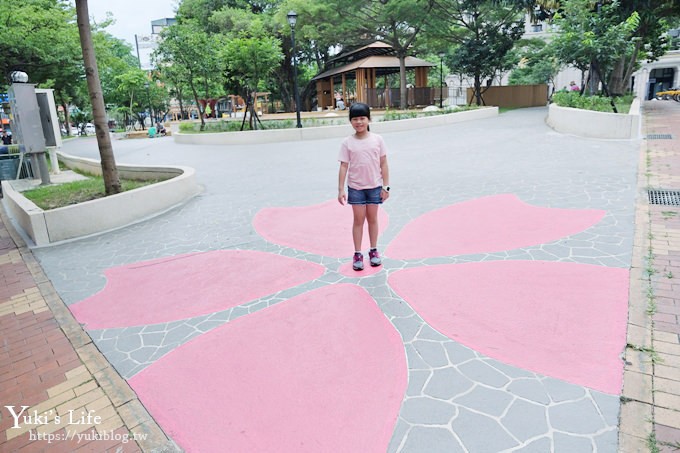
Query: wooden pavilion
point(365, 65)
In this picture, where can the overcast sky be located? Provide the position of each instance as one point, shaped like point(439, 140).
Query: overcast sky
point(133, 17)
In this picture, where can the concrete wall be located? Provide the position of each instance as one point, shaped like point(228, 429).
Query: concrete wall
point(96, 216)
point(317, 133)
point(591, 124)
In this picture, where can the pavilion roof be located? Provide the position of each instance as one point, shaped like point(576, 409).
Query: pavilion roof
point(384, 64)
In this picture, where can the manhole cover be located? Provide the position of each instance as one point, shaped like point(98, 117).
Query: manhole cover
point(664, 197)
point(659, 137)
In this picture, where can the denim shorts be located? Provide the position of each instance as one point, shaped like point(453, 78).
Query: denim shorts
point(364, 196)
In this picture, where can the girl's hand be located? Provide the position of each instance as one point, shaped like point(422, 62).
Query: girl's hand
point(342, 198)
point(384, 195)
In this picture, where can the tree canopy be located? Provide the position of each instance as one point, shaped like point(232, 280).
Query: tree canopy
point(220, 47)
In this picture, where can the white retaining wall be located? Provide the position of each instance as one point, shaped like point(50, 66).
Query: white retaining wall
point(317, 133)
point(103, 214)
point(591, 124)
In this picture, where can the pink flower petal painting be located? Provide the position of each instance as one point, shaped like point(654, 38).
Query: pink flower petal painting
point(485, 225)
point(324, 371)
point(563, 320)
point(323, 229)
point(169, 289)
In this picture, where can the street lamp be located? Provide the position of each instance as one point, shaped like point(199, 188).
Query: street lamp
point(292, 20)
point(19, 77)
point(441, 79)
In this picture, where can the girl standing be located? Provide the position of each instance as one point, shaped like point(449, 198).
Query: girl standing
point(363, 163)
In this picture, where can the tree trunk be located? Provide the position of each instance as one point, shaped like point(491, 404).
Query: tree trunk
point(67, 118)
point(403, 93)
point(94, 87)
point(477, 90)
point(630, 66)
point(616, 80)
point(198, 104)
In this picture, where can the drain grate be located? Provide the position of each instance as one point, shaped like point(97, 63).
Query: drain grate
point(664, 197)
point(659, 137)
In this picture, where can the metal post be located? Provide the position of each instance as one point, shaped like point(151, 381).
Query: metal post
point(148, 100)
point(292, 20)
point(441, 80)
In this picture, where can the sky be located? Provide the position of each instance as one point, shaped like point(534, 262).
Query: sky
point(133, 17)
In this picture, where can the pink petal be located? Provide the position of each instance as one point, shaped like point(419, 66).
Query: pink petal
point(169, 289)
point(322, 372)
point(485, 225)
point(322, 229)
point(563, 320)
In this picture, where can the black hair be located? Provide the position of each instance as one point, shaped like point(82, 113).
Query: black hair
point(359, 109)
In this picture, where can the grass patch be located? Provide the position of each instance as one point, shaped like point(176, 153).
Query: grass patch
point(60, 195)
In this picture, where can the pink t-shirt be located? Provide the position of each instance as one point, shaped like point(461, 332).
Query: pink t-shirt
point(363, 156)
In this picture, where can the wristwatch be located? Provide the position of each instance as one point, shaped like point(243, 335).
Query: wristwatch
point(386, 188)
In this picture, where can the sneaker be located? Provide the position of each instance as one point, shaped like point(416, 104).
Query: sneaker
point(358, 262)
point(374, 257)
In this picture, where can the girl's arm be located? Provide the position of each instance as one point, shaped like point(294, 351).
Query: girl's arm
point(342, 175)
point(385, 171)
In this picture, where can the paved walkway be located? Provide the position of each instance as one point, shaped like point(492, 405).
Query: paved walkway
point(58, 391)
point(496, 323)
point(651, 394)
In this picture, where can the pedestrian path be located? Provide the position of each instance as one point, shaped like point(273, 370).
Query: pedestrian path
point(496, 323)
point(650, 414)
point(57, 390)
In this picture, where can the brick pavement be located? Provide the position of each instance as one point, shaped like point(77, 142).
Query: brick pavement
point(650, 415)
point(75, 400)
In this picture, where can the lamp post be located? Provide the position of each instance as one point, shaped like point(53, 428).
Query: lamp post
point(292, 20)
point(441, 79)
point(148, 100)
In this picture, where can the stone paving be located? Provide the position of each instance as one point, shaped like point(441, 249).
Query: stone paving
point(457, 399)
point(51, 372)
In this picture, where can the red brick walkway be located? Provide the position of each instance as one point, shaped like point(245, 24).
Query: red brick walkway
point(651, 410)
point(72, 399)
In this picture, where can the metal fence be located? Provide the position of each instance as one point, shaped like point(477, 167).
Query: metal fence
point(391, 98)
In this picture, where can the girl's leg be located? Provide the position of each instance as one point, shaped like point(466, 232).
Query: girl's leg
point(359, 211)
point(372, 219)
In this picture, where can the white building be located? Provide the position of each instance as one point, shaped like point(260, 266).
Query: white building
point(658, 75)
point(146, 44)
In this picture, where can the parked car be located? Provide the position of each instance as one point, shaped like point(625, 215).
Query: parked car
point(74, 131)
point(89, 129)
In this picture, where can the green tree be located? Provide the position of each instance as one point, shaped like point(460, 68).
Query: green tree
point(130, 84)
point(250, 60)
point(535, 63)
point(649, 39)
point(593, 38)
point(481, 33)
point(190, 48)
point(395, 22)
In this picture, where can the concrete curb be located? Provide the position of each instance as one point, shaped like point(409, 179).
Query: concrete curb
point(591, 124)
point(318, 133)
point(92, 217)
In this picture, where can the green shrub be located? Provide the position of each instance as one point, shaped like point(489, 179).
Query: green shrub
point(233, 125)
point(392, 115)
point(574, 99)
